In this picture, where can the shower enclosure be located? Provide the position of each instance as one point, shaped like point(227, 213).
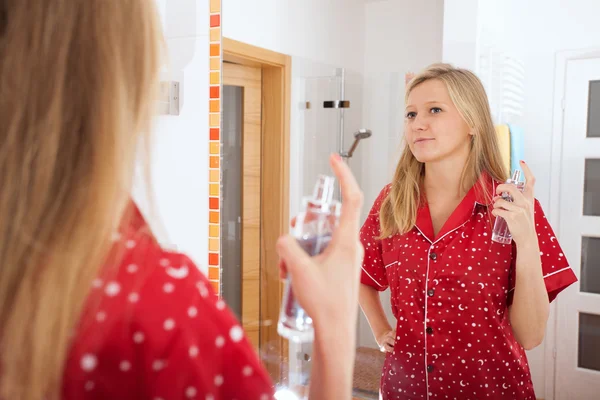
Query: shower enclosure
point(326, 118)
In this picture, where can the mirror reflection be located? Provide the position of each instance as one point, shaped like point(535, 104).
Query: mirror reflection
point(431, 313)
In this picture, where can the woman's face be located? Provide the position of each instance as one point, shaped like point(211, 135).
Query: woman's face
point(433, 127)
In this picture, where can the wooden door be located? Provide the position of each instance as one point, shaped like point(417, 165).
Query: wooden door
point(249, 79)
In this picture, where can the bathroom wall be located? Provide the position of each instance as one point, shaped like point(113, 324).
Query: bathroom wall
point(325, 31)
point(401, 36)
point(177, 206)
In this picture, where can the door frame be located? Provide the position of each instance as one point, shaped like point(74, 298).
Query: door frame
point(562, 58)
point(275, 180)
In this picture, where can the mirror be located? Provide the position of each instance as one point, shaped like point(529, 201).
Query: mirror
point(337, 71)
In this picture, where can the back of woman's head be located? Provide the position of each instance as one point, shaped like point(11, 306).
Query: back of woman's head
point(77, 86)
point(399, 210)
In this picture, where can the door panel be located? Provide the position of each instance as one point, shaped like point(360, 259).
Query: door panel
point(578, 332)
point(249, 79)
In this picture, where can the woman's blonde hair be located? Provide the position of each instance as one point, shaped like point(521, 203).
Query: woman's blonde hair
point(78, 86)
point(398, 211)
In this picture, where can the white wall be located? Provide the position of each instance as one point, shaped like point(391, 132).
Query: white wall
point(401, 36)
point(180, 156)
point(532, 31)
point(460, 33)
point(327, 31)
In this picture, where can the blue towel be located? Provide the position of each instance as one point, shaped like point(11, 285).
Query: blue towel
point(517, 147)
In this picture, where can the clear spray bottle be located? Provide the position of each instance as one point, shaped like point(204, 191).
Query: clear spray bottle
point(313, 230)
point(501, 233)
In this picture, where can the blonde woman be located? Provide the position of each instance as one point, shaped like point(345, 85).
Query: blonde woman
point(466, 307)
point(90, 306)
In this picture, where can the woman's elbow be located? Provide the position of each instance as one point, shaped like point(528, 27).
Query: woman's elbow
point(531, 344)
point(532, 340)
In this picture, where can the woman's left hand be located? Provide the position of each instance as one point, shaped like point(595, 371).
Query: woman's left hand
point(518, 213)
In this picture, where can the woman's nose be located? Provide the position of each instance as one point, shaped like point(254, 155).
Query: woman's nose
point(419, 123)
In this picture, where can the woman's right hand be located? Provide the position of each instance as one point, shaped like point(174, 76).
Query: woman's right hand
point(386, 341)
point(326, 286)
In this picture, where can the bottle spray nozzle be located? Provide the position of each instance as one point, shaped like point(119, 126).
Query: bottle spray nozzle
point(323, 192)
point(515, 177)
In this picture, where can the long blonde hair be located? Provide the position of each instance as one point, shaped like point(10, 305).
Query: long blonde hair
point(398, 211)
point(78, 84)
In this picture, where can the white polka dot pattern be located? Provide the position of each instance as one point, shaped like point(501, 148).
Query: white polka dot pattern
point(450, 295)
point(157, 320)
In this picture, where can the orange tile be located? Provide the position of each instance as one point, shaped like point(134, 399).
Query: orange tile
point(215, 20)
point(215, 63)
point(213, 217)
point(213, 273)
point(215, 91)
point(215, 78)
point(214, 231)
point(215, 6)
point(214, 176)
point(214, 120)
point(214, 162)
point(213, 259)
point(215, 148)
point(215, 50)
point(213, 203)
point(214, 133)
point(215, 106)
point(215, 34)
point(214, 189)
point(215, 285)
point(213, 244)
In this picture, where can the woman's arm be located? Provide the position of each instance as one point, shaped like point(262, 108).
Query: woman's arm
point(327, 286)
point(530, 305)
point(370, 303)
point(530, 308)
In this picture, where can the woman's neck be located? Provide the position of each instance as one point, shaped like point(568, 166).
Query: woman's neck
point(443, 180)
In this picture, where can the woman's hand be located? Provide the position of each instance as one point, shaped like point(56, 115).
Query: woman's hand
point(518, 213)
point(386, 341)
point(326, 286)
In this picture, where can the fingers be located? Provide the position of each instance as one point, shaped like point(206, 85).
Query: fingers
point(293, 222)
point(498, 212)
point(387, 348)
point(529, 180)
point(352, 200)
point(500, 203)
point(282, 270)
point(387, 342)
point(513, 191)
point(297, 263)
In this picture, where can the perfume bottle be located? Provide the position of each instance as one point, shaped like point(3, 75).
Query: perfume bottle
point(314, 226)
point(501, 233)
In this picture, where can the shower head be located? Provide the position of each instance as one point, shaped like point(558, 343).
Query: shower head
point(358, 136)
point(362, 134)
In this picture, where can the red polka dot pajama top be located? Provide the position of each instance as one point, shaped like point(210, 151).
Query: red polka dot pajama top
point(450, 296)
point(154, 329)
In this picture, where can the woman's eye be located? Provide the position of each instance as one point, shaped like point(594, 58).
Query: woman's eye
point(436, 110)
point(411, 114)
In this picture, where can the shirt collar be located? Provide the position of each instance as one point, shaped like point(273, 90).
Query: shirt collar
point(481, 193)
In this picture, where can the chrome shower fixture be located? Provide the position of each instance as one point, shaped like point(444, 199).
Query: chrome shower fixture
point(358, 136)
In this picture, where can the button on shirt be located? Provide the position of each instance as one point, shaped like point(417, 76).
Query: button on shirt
point(450, 295)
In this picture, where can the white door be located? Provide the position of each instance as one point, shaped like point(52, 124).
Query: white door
point(578, 332)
